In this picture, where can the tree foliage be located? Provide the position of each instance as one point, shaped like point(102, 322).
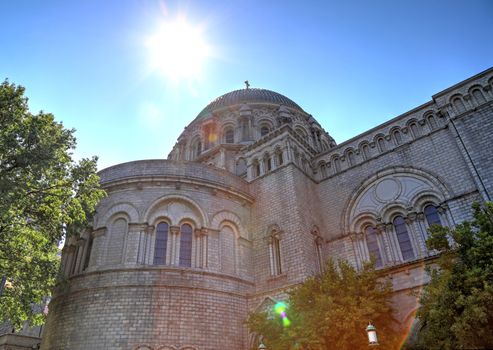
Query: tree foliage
point(331, 311)
point(457, 306)
point(44, 195)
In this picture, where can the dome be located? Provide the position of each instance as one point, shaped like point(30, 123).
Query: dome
point(249, 95)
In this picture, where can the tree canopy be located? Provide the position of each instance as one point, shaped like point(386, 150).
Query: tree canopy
point(331, 311)
point(457, 305)
point(44, 196)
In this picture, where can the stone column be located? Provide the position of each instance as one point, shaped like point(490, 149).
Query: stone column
point(415, 234)
point(203, 244)
point(174, 244)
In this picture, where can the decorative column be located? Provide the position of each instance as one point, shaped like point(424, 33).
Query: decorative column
point(174, 246)
point(203, 244)
point(79, 250)
point(415, 234)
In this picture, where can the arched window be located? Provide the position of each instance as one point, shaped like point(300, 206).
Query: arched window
point(381, 144)
point(432, 122)
point(161, 243)
point(403, 238)
point(186, 237)
point(302, 133)
point(350, 158)
point(229, 135)
point(459, 105)
point(414, 130)
point(432, 216)
point(372, 244)
point(241, 167)
point(365, 151)
point(264, 130)
point(337, 164)
point(275, 255)
point(397, 137)
point(478, 96)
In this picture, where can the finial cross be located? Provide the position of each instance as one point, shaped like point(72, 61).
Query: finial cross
point(247, 84)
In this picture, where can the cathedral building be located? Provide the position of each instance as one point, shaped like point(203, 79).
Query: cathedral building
point(253, 198)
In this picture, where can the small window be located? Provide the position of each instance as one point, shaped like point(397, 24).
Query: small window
point(275, 250)
point(381, 144)
point(397, 137)
point(372, 243)
point(414, 129)
point(264, 130)
point(229, 136)
point(337, 164)
point(161, 243)
point(186, 237)
point(350, 158)
point(256, 168)
point(318, 247)
point(432, 216)
point(365, 151)
point(403, 238)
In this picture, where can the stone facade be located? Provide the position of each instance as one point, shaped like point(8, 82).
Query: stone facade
point(252, 200)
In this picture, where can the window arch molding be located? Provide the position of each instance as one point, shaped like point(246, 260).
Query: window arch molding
point(274, 238)
point(414, 127)
point(160, 207)
point(396, 135)
point(431, 185)
point(364, 150)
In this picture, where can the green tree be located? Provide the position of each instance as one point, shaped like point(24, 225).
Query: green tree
point(331, 311)
point(44, 196)
point(457, 305)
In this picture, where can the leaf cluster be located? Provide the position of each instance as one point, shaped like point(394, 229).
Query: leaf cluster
point(457, 306)
point(331, 311)
point(44, 196)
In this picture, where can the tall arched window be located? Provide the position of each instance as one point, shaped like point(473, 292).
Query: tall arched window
point(350, 158)
point(275, 255)
point(459, 105)
point(432, 216)
point(161, 244)
point(255, 168)
point(381, 144)
point(397, 137)
point(478, 96)
point(403, 238)
point(337, 164)
point(432, 122)
point(372, 244)
point(414, 130)
point(365, 150)
point(186, 237)
point(229, 135)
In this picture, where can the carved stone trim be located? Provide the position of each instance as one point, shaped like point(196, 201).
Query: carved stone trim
point(174, 230)
point(99, 232)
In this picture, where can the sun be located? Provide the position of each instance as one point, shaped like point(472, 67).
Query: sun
point(178, 50)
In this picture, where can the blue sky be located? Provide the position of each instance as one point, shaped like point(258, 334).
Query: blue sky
point(351, 64)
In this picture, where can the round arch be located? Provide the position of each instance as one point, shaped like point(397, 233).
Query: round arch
point(176, 208)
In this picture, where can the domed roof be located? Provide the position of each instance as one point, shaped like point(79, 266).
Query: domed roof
point(246, 96)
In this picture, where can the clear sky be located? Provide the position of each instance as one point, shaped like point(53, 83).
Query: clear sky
point(351, 64)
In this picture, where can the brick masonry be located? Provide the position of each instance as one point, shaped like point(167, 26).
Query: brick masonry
point(256, 235)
